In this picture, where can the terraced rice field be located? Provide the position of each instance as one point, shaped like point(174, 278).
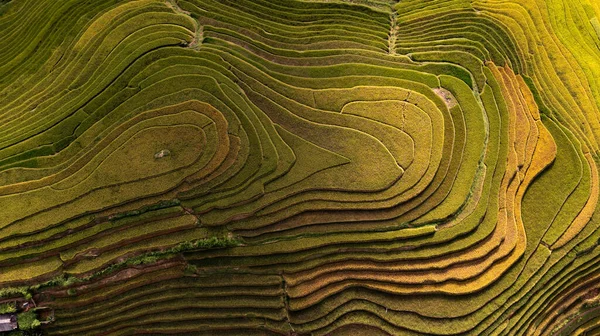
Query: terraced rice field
point(300, 167)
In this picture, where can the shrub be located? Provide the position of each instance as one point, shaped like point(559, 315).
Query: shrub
point(8, 307)
point(28, 320)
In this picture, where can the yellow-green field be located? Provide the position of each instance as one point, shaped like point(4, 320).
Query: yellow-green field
point(300, 167)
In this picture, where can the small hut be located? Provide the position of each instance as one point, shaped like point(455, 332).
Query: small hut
point(8, 322)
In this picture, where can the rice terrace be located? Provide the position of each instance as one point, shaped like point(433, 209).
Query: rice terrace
point(299, 167)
